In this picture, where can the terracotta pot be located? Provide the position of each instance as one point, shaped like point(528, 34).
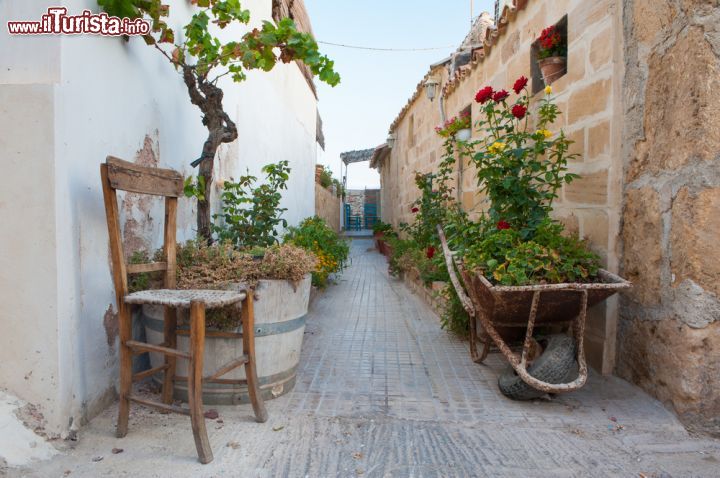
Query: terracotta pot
point(552, 68)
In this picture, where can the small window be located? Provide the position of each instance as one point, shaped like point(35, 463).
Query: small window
point(538, 81)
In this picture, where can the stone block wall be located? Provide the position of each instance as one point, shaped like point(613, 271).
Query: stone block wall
point(669, 337)
point(356, 199)
point(327, 206)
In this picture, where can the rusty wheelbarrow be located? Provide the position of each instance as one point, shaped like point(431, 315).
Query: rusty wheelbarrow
point(497, 312)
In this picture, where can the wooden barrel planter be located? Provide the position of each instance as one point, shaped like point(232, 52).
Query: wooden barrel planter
point(280, 311)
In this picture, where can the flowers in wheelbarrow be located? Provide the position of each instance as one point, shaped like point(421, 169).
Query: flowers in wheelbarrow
point(430, 252)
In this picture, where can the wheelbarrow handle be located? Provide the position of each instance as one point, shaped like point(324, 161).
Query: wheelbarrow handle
point(450, 263)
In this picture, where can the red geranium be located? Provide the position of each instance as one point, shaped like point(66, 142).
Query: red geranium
point(520, 83)
point(430, 252)
point(549, 38)
point(484, 94)
point(519, 111)
point(414, 210)
point(503, 225)
point(500, 96)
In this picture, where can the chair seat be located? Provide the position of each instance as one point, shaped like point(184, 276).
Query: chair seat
point(182, 298)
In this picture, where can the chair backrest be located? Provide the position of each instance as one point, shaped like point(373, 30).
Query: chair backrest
point(117, 174)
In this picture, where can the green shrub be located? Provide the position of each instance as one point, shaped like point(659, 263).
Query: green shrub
point(549, 257)
point(251, 215)
point(454, 318)
point(330, 249)
point(383, 227)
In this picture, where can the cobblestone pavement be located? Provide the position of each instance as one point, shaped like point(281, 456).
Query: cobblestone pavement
point(382, 391)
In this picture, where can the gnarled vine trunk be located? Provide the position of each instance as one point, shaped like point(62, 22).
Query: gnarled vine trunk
point(221, 129)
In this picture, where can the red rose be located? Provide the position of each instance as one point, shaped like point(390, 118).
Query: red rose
point(484, 94)
point(414, 210)
point(519, 111)
point(520, 83)
point(503, 225)
point(500, 96)
point(430, 252)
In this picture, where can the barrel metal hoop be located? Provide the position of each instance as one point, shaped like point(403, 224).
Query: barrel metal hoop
point(261, 330)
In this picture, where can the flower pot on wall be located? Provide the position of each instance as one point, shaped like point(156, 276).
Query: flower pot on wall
point(280, 311)
point(463, 134)
point(552, 68)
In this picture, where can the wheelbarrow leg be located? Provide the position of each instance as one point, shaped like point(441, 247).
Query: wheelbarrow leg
point(484, 339)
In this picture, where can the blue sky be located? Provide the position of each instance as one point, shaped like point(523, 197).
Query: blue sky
point(376, 85)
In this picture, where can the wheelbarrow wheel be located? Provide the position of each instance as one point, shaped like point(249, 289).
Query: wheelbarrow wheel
point(557, 364)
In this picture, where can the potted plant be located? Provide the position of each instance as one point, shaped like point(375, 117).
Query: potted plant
point(457, 127)
point(247, 253)
point(281, 283)
point(381, 230)
point(517, 253)
point(552, 54)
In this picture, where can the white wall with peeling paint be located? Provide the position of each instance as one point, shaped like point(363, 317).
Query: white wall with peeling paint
point(66, 103)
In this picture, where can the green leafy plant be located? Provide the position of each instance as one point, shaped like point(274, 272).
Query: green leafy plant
point(194, 188)
point(454, 318)
point(520, 170)
point(382, 227)
point(252, 214)
point(202, 60)
point(431, 207)
point(506, 258)
point(339, 188)
point(326, 178)
point(330, 249)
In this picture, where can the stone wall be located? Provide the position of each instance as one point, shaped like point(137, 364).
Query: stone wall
point(669, 338)
point(356, 199)
point(589, 97)
point(327, 206)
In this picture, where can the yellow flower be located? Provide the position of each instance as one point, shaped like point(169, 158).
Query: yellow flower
point(548, 89)
point(544, 132)
point(496, 147)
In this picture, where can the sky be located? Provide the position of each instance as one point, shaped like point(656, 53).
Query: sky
point(376, 85)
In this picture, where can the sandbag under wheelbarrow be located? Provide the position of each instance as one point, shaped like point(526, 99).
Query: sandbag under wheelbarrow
point(557, 364)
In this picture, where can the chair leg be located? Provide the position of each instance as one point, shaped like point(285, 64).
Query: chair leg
point(248, 338)
point(170, 336)
point(125, 319)
point(197, 347)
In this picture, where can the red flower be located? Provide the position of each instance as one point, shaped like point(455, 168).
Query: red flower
point(484, 94)
point(519, 111)
point(414, 210)
point(549, 38)
point(503, 225)
point(430, 252)
point(520, 83)
point(500, 96)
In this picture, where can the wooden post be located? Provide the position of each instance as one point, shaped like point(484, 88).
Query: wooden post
point(248, 338)
point(197, 347)
point(170, 314)
point(125, 319)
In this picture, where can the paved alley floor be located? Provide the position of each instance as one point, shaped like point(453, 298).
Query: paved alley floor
point(382, 391)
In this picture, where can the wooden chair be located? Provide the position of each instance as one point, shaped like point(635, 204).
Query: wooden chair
point(121, 175)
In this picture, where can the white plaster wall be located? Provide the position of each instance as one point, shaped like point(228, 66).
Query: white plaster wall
point(28, 280)
point(107, 96)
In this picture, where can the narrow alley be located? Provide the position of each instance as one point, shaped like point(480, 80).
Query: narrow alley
point(383, 391)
